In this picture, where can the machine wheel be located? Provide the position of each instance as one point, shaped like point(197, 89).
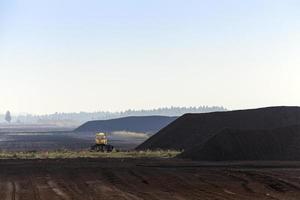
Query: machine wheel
point(97, 148)
point(108, 148)
point(102, 148)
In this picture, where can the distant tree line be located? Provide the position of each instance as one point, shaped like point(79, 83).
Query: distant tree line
point(81, 117)
point(8, 117)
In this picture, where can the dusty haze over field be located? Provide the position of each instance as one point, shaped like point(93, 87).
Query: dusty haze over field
point(114, 55)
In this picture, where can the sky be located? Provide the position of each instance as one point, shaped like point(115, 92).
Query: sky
point(74, 55)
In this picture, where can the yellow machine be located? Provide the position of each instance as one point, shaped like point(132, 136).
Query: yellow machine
point(101, 143)
point(101, 138)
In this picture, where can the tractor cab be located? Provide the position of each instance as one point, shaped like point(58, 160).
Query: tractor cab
point(101, 143)
point(101, 138)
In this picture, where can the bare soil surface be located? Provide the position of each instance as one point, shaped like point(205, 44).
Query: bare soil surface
point(278, 144)
point(47, 141)
point(138, 124)
point(191, 131)
point(158, 179)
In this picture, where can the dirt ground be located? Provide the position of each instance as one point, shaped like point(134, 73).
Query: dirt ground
point(49, 141)
point(134, 179)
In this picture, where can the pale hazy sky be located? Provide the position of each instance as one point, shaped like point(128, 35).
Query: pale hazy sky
point(88, 55)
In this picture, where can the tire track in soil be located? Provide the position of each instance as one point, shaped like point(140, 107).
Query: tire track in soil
point(139, 177)
point(13, 191)
point(169, 185)
point(59, 190)
point(243, 181)
point(111, 177)
point(3, 189)
point(116, 186)
point(148, 186)
point(44, 190)
point(74, 184)
point(253, 194)
point(194, 187)
point(7, 190)
point(85, 183)
point(34, 189)
point(210, 193)
point(274, 183)
point(278, 187)
point(140, 185)
point(155, 191)
point(190, 188)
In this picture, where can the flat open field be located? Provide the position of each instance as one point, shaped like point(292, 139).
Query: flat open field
point(146, 178)
point(51, 140)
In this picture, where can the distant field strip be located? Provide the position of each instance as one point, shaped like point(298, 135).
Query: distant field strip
point(87, 154)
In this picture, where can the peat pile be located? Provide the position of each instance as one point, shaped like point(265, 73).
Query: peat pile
point(145, 124)
point(232, 145)
point(192, 131)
